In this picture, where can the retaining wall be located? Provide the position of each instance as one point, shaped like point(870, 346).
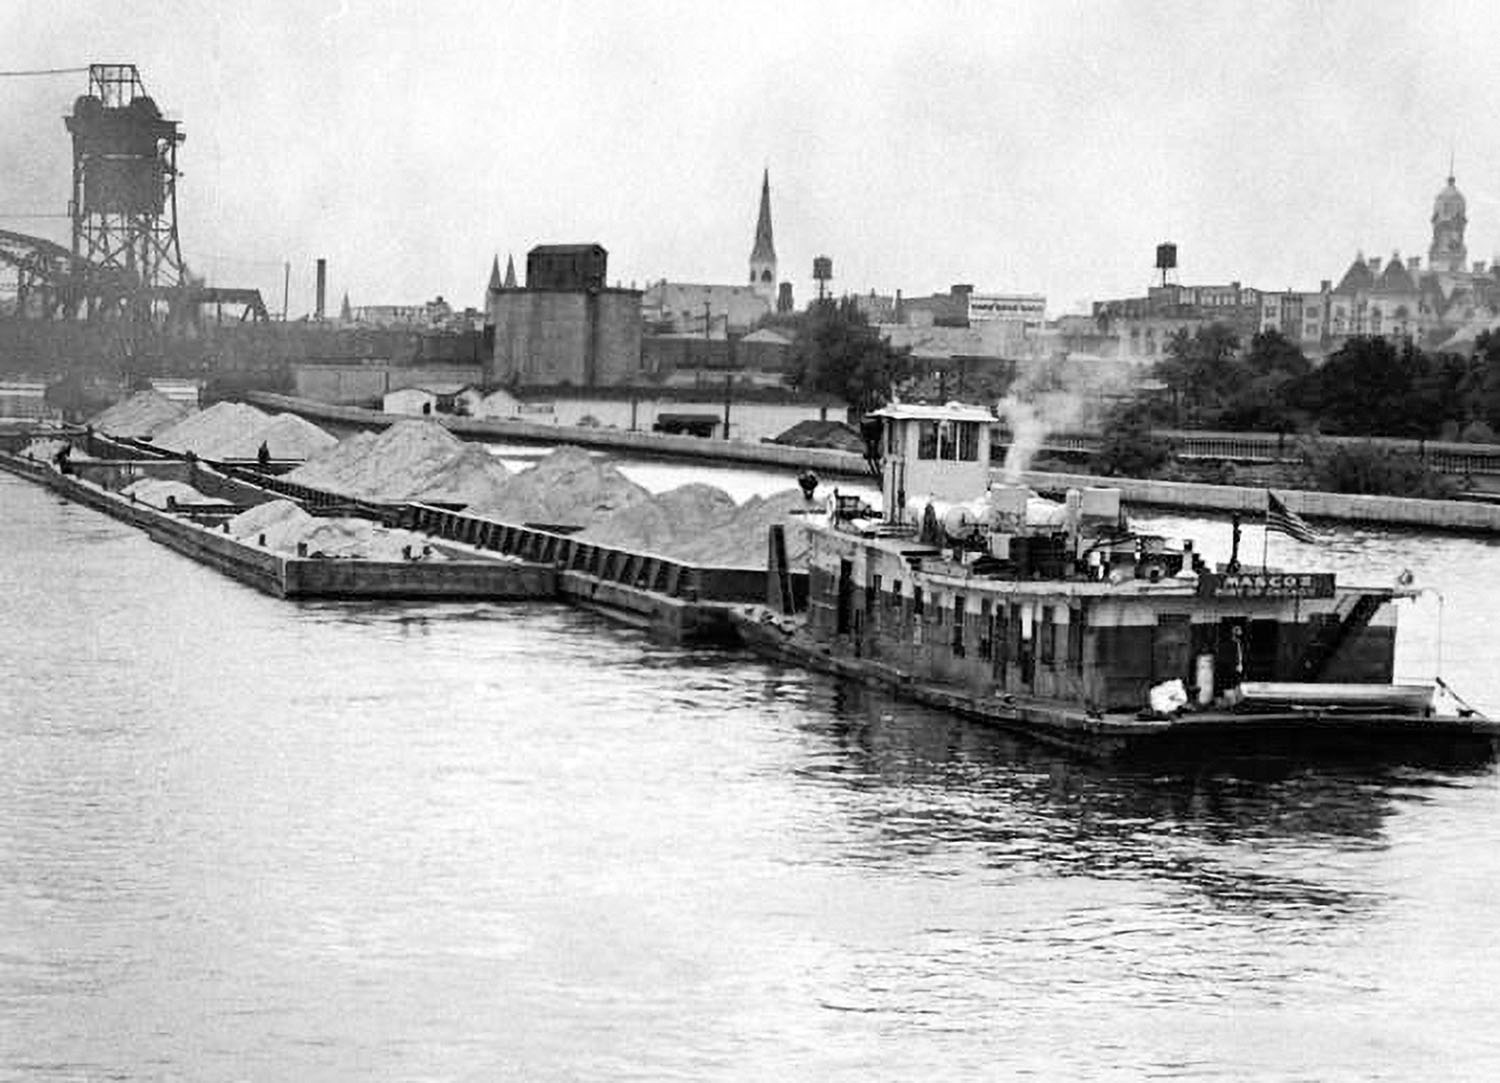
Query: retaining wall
point(1447, 515)
point(649, 445)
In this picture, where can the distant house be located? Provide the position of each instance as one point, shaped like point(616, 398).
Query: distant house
point(24, 399)
point(427, 399)
point(187, 392)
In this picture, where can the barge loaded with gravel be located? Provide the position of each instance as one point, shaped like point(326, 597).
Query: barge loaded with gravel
point(411, 513)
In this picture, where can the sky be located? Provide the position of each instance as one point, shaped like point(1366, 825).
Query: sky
point(1018, 147)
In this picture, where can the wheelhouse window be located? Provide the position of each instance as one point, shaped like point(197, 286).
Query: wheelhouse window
point(968, 441)
point(948, 440)
point(927, 439)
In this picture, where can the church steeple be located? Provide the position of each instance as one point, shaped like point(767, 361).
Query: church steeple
point(510, 272)
point(763, 255)
point(494, 275)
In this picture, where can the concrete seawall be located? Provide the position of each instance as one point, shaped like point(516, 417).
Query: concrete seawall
point(1444, 515)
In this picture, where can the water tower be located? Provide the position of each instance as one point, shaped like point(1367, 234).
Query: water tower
point(823, 273)
point(1166, 261)
point(124, 205)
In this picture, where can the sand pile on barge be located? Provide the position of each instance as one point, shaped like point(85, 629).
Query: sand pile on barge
point(662, 524)
point(332, 467)
point(205, 431)
point(284, 525)
point(159, 492)
point(700, 524)
point(742, 541)
point(143, 414)
point(286, 436)
point(473, 476)
point(234, 430)
point(569, 487)
point(411, 460)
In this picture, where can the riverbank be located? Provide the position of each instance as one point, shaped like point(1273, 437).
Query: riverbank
point(1454, 516)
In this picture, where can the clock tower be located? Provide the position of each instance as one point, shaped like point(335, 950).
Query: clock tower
point(1448, 221)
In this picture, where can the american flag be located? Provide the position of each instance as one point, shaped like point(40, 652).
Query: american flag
point(1281, 518)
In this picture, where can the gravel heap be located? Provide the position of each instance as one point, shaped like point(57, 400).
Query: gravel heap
point(143, 414)
point(473, 476)
point(662, 523)
point(285, 525)
point(411, 460)
point(156, 491)
point(234, 430)
point(221, 424)
point(699, 524)
point(333, 467)
point(740, 542)
point(569, 487)
point(286, 436)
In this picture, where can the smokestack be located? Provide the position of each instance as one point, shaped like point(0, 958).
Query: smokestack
point(322, 288)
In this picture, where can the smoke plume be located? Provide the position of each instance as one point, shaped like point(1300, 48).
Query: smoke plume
point(1031, 417)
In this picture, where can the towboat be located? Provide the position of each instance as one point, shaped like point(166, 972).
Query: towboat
point(1055, 618)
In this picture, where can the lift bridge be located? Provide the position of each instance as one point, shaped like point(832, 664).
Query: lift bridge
point(125, 259)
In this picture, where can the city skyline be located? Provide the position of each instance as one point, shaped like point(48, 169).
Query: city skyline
point(1026, 148)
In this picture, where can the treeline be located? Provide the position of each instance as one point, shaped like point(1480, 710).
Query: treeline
point(1368, 387)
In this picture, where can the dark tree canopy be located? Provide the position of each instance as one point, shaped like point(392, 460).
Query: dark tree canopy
point(838, 352)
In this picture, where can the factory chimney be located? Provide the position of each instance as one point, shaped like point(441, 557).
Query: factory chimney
point(322, 289)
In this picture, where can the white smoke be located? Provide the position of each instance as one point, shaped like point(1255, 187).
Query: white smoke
point(1031, 418)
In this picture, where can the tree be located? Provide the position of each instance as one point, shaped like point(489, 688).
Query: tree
point(837, 352)
point(1364, 389)
point(1482, 388)
point(1257, 397)
point(1201, 371)
point(1130, 448)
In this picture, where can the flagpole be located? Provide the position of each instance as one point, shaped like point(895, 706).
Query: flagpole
point(1265, 534)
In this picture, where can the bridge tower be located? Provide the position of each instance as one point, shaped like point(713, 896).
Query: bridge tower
point(124, 205)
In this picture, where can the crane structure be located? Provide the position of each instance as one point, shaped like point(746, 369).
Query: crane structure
point(125, 259)
point(124, 205)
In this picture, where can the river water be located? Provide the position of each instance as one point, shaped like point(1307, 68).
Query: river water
point(242, 838)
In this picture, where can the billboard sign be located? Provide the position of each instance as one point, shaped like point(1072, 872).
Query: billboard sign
point(1017, 307)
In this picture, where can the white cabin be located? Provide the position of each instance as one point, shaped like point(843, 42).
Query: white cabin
point(933, 452)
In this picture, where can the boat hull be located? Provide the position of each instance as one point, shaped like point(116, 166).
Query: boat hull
point(1305, 732)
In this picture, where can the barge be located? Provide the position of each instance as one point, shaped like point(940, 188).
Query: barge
point(1056, 619)
point(479, 558)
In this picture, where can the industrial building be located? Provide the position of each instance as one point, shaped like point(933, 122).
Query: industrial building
point(565, 327)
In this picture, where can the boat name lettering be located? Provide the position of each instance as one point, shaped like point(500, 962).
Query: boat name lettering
point(1267, 585)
